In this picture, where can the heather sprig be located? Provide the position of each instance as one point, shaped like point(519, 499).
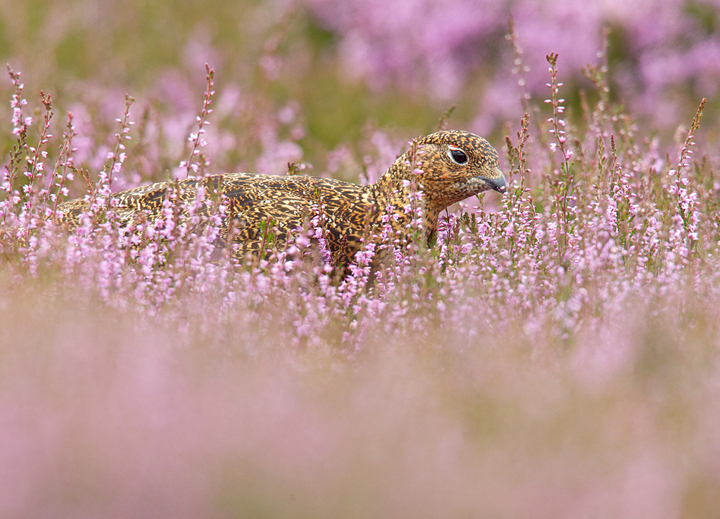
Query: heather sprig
point(11, 170)
point(687, 198)
point(197, 139)
point(415, 227)
point(118, 155)
point(520, 68)
point(599, 74)
point(63, 170)
point(33, 188)
point(19, 121)
point(562, 181)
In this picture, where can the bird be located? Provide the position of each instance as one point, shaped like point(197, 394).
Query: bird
point(436, 171)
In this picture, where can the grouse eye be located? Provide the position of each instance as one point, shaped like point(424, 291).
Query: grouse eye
point(458, 156)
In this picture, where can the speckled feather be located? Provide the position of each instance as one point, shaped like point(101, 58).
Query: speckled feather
point(352, 211)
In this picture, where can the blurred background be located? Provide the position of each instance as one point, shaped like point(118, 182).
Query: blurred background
point(330, 83)
point(537, 383)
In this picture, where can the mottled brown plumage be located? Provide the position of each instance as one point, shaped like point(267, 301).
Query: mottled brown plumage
point(454, 164)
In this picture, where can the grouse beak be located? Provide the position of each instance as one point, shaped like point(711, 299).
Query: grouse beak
point(498, 184)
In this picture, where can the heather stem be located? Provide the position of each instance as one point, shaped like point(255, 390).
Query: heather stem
point(563, 184)
point(65, 161)
point(117, 157)
point(197, 139)
point(37, 166)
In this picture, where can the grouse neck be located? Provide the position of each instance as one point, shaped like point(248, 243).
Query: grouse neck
point(395, 192)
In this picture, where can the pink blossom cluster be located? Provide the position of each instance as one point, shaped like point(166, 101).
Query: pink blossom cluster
point(569, 236)
point(561, 242)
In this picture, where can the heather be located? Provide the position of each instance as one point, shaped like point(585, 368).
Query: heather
point(554, 353)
